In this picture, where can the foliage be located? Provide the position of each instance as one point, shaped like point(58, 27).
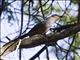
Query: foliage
point(35, 12)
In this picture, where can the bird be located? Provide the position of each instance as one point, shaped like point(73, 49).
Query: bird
point(42, 27)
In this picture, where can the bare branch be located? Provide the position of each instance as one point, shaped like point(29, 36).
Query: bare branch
point(39, 39)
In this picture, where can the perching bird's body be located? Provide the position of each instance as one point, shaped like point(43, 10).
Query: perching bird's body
point(42, 27)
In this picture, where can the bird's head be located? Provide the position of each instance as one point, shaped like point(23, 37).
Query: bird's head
point(52, 19)
point(55, 16)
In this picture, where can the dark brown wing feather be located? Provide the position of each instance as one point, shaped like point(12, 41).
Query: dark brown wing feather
point(37, 29)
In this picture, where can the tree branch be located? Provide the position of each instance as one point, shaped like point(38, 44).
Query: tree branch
point(39, 39)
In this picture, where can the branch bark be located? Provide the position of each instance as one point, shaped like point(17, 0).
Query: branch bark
point(38, 39)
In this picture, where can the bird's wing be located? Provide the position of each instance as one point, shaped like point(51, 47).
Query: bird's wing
point(37, 29)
